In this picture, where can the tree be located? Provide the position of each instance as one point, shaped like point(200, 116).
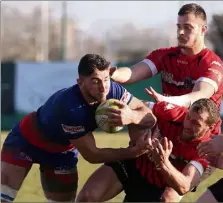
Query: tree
point(215, 33)
point(21, 37)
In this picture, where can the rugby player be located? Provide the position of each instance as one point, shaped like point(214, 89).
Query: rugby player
point(189, 71)
point(175, 162)
point(53, 135)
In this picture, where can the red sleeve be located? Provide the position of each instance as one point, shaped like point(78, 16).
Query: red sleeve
point(212, 73)
point(155, 59)
point(169, 112)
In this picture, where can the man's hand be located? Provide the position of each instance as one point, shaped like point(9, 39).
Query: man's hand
point(155, 95)
point(119, 117)
point(216, 161)
point(161, 151)
point(211, 147)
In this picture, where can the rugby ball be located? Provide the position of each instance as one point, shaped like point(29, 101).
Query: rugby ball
point(102, 119)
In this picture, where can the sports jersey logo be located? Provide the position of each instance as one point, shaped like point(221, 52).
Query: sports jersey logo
point(182, 62)
point(24, 156)
point(125, 97)
point(217, 72)
point(216, 63)
point(73, 129)
point(169, 106)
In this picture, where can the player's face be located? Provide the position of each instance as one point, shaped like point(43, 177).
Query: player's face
point(96, 86)
point(190, 30)
point(195, 125)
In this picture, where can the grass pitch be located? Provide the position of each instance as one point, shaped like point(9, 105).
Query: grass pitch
point(31, 189)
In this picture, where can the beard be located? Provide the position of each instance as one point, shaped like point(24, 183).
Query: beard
point(95, 98)
point(185, 136)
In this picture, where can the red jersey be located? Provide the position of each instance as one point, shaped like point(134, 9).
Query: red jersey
point(179, 73)
point(170, 121)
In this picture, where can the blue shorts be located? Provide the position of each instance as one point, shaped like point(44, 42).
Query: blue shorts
point(17, 150)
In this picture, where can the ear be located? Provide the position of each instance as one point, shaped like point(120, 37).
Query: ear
point(79, 82)
point(204, 29)
point(211, 128)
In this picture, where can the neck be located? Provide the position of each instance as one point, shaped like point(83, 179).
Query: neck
point(91, 101)
point(194, 50)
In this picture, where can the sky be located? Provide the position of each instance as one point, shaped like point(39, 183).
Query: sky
point(98, 16)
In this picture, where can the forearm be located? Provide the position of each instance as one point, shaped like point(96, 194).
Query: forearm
point(144, 116)
point(122, 75)
point(184, 100)
point(109, 155)
point(174, 178)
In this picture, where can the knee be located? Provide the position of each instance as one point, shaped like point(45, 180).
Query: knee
point(88, 196)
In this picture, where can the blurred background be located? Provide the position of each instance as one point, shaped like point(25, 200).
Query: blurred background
point(42, 42)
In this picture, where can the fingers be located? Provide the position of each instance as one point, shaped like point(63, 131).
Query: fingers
point(148, 92)
point(114, 123)
point(165, 144)
point(119, 104)
point(170, 147)
point(109, 111)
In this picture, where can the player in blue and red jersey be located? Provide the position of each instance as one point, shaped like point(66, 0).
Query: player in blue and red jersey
point(53, 135)
point(179, 166)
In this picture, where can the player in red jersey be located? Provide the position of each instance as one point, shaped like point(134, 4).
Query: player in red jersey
point(189, 71)
point(179, 166)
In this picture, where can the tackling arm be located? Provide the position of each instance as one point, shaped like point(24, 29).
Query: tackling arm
point(200, 90)
point(126, 75)
point(185, 181)
point(87, 147)
point(142, 115)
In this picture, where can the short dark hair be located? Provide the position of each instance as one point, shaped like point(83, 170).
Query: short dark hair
point(91, 62)
point(209, 106)
point(193, 8)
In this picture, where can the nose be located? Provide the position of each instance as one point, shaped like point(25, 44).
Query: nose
point(181, 32)
point(102, 87)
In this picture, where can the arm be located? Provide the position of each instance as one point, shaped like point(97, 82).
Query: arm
point(126, 75)
point(200, 90)
point(214, 146)
point(87, 147)
point(141, 114)
point(209, 82)
point(136, 112)
point(147, 68)
point(181, 182)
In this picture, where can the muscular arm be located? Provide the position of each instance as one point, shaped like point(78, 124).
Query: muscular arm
point(142, 115)
point(87, 147)
point(181, 182)
point(126, 75)
point(200, 90)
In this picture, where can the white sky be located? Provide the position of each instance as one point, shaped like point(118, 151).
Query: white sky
point(98, 16)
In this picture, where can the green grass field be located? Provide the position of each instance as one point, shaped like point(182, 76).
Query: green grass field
point(31, 189)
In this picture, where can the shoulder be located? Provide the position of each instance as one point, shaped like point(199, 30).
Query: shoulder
point(211, 59)
point(166, 51)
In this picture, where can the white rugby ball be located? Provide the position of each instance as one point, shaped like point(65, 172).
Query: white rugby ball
point(102, 119)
